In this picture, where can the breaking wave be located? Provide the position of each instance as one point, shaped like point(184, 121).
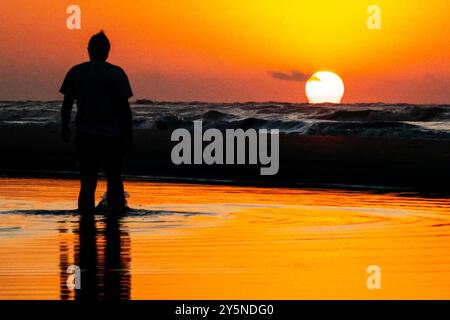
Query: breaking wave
point(368, 120)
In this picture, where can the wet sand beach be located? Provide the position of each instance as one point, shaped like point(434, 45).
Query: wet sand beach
point(421, 165)
point(194, 241)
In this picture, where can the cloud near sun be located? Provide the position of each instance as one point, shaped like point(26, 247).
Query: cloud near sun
point(294, 75)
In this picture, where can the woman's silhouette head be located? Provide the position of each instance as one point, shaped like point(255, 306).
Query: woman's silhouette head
point(99, 47)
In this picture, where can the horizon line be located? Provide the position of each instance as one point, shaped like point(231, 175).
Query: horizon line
point(145, 101)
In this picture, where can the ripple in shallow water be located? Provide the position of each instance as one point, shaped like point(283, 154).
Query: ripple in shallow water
point(194, 241)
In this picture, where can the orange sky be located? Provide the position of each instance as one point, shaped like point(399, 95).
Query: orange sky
point(226, 50)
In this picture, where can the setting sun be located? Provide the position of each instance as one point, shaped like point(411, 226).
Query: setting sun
point(324, 86)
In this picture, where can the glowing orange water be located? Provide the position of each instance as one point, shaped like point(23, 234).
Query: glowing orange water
point(201, 241)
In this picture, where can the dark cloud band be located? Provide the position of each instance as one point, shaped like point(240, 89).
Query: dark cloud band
point(292, 76)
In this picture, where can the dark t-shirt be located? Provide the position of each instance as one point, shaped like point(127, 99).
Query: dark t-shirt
point(98, 88)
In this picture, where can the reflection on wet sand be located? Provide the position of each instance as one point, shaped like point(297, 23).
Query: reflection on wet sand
point(187, 241)
point(64, 261)
point(102, 252)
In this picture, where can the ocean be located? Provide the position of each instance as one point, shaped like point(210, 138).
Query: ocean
point(404, 121)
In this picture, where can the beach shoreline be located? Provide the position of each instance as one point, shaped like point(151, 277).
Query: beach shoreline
point(194, 241)
point(322, 161)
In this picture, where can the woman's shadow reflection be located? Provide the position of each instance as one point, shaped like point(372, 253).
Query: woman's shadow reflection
point(103, 254)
